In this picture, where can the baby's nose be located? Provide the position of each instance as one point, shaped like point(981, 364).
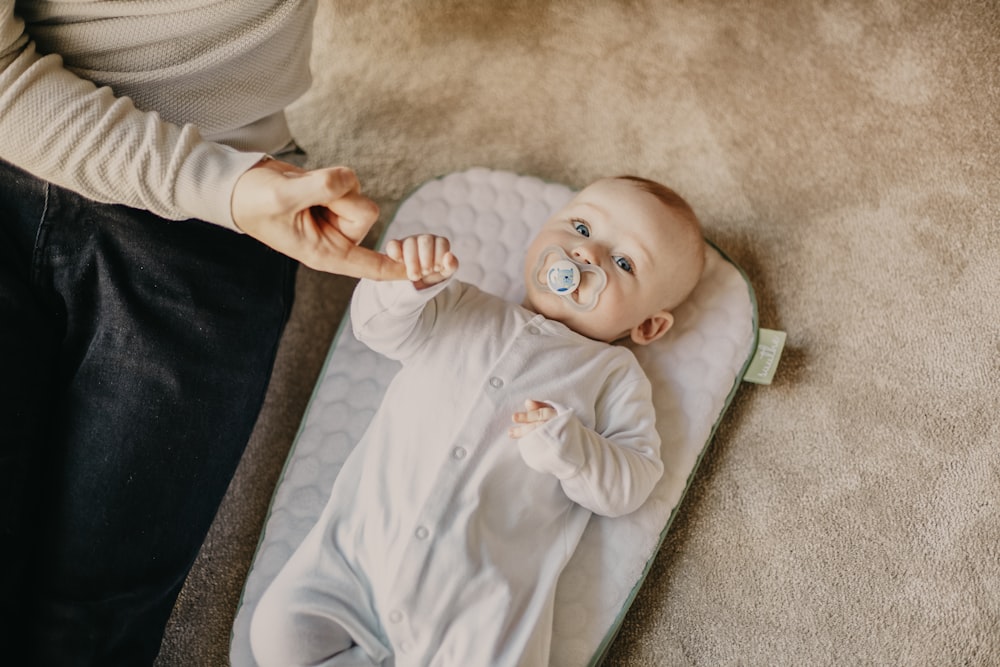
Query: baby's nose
point(585, 254)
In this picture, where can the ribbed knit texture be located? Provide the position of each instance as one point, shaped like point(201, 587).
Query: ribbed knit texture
point(143, 102)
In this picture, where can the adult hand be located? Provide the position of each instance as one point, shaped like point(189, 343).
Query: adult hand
point(317, 217)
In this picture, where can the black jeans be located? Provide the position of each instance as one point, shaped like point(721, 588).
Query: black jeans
point(134, 357)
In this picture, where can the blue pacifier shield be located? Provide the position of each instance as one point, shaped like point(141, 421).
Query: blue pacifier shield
point(563, 276)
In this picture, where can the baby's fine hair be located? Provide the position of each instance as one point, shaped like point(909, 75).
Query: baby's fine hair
point(669, 197)
point(694, 241)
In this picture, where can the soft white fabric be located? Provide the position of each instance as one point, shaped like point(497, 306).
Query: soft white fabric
point(457, 532)
point(120, 101)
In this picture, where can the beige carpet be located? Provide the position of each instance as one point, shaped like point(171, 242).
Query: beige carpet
point(847, 155)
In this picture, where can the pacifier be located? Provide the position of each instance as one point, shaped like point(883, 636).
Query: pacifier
point(565, 276)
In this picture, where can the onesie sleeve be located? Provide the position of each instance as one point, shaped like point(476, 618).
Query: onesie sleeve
point(66, 130)
point(394, 318)
point(610, 472)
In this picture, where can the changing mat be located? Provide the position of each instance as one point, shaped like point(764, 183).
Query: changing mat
point(695, 369)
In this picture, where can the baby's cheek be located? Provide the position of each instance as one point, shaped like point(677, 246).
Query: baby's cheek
point(611, 318)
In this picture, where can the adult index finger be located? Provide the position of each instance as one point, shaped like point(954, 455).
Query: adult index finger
point(362, 262)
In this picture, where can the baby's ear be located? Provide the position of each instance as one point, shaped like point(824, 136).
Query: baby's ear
point(652, 328)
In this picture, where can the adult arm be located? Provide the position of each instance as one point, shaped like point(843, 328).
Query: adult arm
point(71, 132)
point(67, 130)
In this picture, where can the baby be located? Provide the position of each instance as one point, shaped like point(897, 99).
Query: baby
point(507, 426)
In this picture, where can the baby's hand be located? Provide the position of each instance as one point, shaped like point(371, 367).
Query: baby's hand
point(427, 258)
point(535, 414)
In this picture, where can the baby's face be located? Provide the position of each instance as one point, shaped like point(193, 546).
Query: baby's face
point(625, 231)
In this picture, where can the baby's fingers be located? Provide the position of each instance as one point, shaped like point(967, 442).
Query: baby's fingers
point(449, 265)
point(435, 255)
point(445, 262)
point(516, 432)
point(534, 415)
point(535, 411)
point(426, 252)
point(426, 258)
point(407, 251)
point(394, 249)
point(415, 270)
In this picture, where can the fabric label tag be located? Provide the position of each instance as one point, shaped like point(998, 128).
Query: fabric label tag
point(770, 343)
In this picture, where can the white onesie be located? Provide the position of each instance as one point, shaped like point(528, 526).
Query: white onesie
point(444, 538)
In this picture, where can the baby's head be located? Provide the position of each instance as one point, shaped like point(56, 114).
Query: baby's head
point(648, 244)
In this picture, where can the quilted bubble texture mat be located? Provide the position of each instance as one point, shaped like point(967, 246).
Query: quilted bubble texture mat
point(490, 216)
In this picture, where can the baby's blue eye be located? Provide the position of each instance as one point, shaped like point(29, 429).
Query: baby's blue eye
point(581, 227)
point(623, 264)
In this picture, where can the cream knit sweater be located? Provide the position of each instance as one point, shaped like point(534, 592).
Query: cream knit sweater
point(156, 104)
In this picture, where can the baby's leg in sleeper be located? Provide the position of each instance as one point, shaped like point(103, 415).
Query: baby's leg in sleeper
point(286, 632)
point(317, 615)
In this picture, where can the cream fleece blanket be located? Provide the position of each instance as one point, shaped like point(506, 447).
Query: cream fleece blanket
point(847, 155)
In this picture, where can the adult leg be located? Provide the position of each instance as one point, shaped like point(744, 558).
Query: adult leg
point(170, 332)
point(27, 344)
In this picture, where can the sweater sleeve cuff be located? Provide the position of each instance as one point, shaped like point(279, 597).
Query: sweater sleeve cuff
point(205, 182)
